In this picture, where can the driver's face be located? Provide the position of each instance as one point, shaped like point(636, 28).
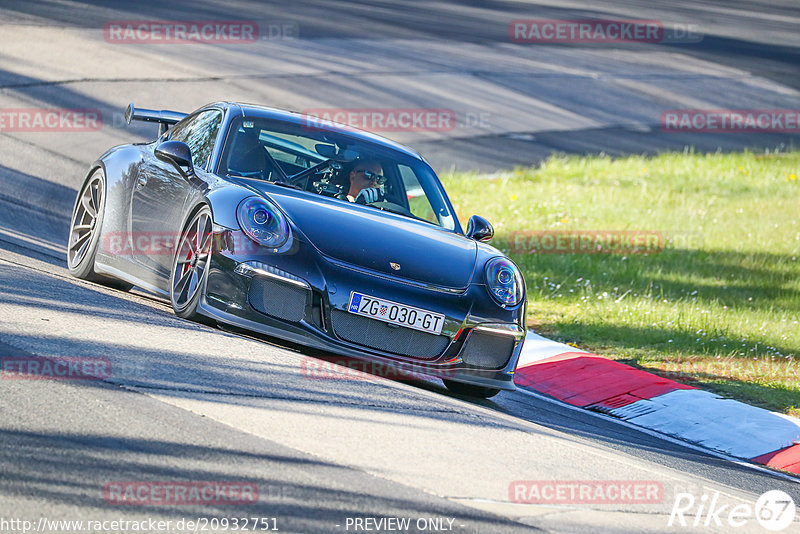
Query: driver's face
point(359, 178)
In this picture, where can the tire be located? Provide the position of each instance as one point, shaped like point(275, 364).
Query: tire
point(190, 266)
point(84, 232)
point(470, 390)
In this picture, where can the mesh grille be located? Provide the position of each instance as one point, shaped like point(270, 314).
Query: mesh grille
point(396, 340)
point(487, 351)
point(277, 299)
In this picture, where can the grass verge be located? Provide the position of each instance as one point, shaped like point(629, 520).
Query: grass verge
point(715, 303)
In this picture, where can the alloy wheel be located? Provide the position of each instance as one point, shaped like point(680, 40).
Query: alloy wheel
point(192, 259)
point(84, 220)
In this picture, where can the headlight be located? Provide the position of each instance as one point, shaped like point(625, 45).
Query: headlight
point(263, 222)
point(504, 281)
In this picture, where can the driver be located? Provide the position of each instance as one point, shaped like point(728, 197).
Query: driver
point(364, 179)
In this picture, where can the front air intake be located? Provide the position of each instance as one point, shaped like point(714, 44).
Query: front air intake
point(278, 299)
point(487, 351)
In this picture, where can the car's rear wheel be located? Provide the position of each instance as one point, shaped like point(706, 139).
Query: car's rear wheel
point(84, 232)
point(190, 266)
point(470, 390)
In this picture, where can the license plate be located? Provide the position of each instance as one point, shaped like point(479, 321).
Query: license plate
point(394, 313)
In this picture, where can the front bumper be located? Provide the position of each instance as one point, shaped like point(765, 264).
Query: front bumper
point(302, 297)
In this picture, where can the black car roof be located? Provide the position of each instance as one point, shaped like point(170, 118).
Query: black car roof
point(301, 119)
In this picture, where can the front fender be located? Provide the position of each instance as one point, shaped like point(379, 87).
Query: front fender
point(223, 203)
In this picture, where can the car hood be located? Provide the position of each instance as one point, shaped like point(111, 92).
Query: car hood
point(366, 237)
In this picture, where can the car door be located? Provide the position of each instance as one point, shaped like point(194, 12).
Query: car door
point(160, 194)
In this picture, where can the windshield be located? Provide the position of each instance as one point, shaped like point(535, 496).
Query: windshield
point(337, 166)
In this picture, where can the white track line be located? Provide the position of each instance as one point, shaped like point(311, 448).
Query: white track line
point(726, 425)
point(710, 452)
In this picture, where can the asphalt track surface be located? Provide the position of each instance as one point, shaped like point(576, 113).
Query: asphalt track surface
point(186, 402)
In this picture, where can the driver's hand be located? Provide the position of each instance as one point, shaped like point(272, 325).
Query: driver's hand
point(369, 195)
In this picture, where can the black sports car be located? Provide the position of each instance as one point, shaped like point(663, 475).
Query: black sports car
point(311, 232)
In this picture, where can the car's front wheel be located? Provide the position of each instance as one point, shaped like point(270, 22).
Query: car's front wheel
point(84, 231)
point(190, 265)
point(470, 390)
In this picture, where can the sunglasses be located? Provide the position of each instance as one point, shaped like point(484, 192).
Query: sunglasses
point(371, 176)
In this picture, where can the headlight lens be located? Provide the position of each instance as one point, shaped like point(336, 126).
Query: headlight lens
point(263, 222)
point(504, 281)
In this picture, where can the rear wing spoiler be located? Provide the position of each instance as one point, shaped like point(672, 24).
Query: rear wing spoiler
point(164, 118)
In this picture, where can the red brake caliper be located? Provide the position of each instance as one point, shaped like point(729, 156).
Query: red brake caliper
point(188, 264)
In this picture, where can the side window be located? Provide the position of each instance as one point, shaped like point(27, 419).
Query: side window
point(199, 132)
point(417, 201)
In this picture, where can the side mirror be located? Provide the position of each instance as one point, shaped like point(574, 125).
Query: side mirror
point(178, 154)
point(479, 229)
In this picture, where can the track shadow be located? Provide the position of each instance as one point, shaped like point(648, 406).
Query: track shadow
point(35, 215)
point(303, 494)
point(252, 375)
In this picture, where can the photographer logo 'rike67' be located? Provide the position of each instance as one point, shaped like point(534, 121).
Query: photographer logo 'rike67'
point(774, 511)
